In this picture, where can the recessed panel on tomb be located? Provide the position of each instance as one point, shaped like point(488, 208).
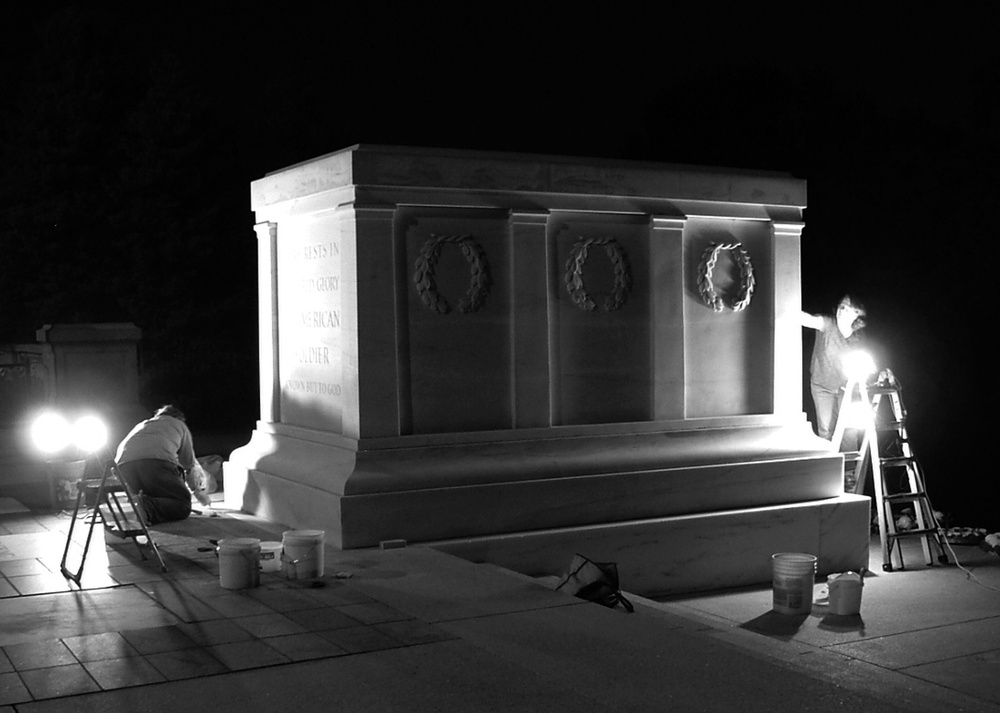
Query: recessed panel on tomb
point(729, 353)
point(600, 279)
point(457, 361)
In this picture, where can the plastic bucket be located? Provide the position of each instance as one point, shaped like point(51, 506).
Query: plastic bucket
point(239, 563)
point(845, 593)
point(303, 553)
point(270, 556)
point(793, 575)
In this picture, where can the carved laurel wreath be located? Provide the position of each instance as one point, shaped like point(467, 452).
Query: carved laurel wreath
point(574, 274)
point(479, 284)
point(707, 288)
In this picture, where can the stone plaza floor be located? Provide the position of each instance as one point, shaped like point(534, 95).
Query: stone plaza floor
point(413, 629)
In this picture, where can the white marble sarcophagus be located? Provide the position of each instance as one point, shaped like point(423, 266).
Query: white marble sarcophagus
point(517, 357)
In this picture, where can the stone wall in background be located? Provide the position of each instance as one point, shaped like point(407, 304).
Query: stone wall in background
point(75, 368)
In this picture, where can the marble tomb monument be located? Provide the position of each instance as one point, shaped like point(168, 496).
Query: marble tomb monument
point(517, 357)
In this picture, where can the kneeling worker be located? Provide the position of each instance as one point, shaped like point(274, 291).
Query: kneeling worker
point(157, 460)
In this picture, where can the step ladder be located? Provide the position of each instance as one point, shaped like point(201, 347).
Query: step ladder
point(885, 447)
point(115, 506)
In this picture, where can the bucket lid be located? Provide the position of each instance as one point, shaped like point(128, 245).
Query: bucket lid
point(304, 534)
point(240, 543)
point(846, 579)
point(793, 557)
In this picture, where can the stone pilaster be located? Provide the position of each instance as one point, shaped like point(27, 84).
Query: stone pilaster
point(787, 324)
point(529, 280)
point(372, 348)
point(267, 320)
point(666, 256)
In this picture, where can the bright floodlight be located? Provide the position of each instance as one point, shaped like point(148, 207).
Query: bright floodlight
point(50, 433)
point(858, 365)
point(89, 434)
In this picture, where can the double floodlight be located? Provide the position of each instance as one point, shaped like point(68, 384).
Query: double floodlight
point(52, 432)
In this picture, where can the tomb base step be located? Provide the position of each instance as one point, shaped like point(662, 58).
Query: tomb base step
point(427, 491)
point(689, 553)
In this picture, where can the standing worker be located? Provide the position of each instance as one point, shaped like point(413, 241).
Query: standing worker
point(835, 336)
point(157, 461)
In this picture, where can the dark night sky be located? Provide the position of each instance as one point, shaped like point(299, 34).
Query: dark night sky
point(892, 119)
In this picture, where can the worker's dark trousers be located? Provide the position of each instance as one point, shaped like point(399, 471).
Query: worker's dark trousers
point(164, 494)
point(827, 405)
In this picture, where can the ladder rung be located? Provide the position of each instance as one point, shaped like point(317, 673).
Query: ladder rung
point(903, 497)
point(896, 461)
point(111, 485)
point(913, 533)
point(890, 426)
point(132, 529)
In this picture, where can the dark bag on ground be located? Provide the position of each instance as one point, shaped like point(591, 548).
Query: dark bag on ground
point(595, 582)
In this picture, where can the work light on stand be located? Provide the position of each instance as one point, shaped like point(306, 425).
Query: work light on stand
point(52, 433)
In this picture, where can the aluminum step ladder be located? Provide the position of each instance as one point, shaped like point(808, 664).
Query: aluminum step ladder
point(885, 447)
point(115, 506)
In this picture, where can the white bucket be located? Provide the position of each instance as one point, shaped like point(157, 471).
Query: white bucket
point(239, 563)
point(270, 556)
point(793, 577)
point(845, 593)
point(303, 553)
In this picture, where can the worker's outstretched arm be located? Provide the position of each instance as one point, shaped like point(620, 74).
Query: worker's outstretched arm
point(813, 321)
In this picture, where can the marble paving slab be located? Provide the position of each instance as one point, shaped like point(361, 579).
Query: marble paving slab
point(457, 589)
point(680, 671)
point(914, 648)
point(975, 675)
point(920, 598)
point(30, 545)
point(63, 615)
